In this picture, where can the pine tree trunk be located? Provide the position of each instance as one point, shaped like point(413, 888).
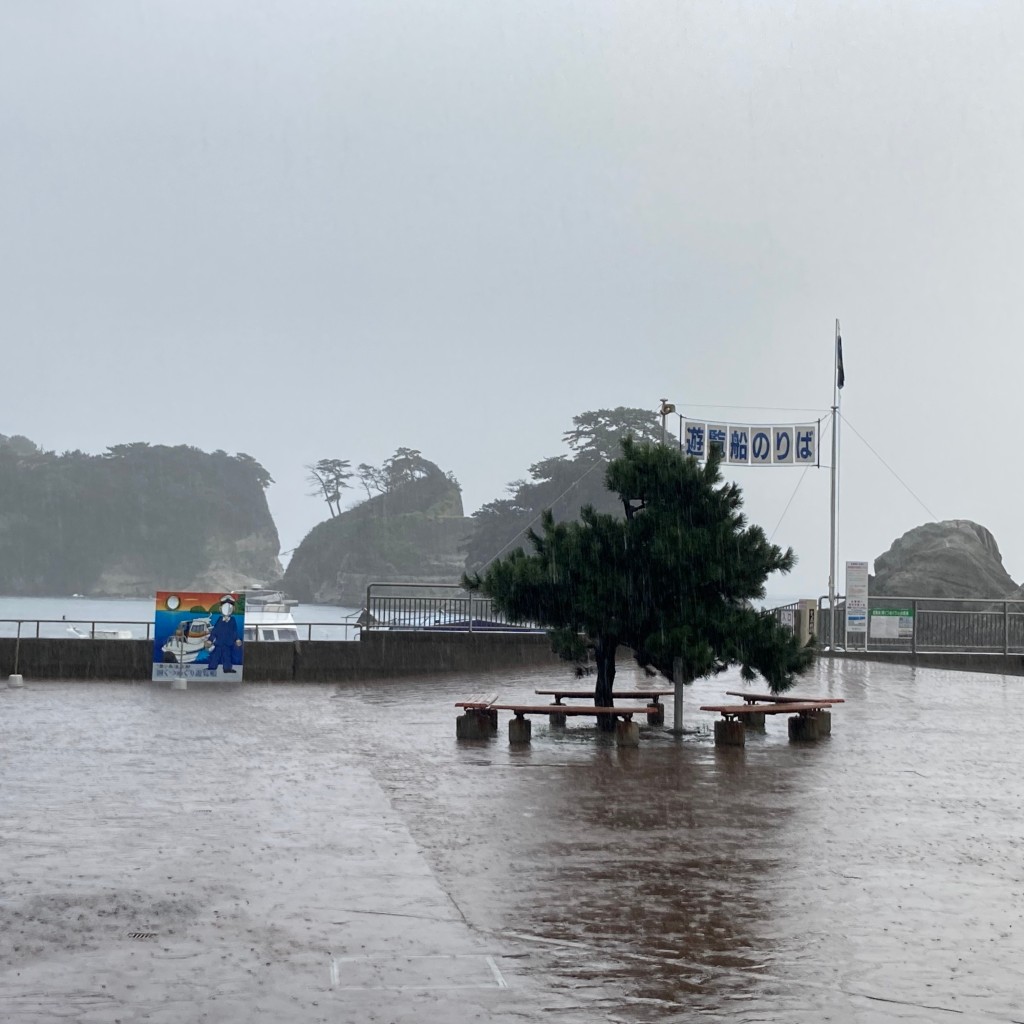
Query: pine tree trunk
point(604, 654)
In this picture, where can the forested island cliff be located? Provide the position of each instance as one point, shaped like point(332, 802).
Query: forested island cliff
point(137, 518)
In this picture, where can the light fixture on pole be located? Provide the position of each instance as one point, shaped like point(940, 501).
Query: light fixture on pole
point(666, 408)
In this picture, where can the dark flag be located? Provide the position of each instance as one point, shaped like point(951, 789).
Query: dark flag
point(840, 374)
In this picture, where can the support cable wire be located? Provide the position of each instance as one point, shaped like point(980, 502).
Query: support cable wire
point(755, 408)
point(788, 503)
point(891, 470)
point(821, 439)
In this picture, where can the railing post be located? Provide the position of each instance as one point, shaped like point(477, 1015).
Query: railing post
point(913, 635)
point(1006, 627)
point(471, 611)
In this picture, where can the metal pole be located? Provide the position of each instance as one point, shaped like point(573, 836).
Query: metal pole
point(677, 706)
point(832, 500)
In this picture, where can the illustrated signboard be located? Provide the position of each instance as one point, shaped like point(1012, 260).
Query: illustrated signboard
point(892, 623)
point(198, 635)
point(741, 444)
point(856, 597)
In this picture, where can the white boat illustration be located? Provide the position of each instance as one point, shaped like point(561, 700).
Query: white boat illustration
point(187, 642)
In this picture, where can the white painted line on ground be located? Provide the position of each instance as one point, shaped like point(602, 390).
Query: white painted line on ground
point(498, 977)
point(495, 978)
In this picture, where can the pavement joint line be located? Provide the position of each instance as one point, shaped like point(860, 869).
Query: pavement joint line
point(498, 979)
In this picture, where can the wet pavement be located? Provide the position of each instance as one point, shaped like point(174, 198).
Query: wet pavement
point(304, 853)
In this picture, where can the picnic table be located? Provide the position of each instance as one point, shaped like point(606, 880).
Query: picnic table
point(479, 719)
point(781, 698)
point(810, 716)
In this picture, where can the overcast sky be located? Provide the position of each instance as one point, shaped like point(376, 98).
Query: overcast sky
point(313, 229)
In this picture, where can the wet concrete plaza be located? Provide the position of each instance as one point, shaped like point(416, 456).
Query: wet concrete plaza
point(303, 853)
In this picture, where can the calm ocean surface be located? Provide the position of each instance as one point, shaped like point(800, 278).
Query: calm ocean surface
point(56, 615)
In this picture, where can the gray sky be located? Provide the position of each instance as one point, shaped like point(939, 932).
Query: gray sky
point(313, 229)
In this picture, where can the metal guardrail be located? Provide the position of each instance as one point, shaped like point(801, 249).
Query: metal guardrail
point(912, 625)
point(435, 607)
point(95, 628)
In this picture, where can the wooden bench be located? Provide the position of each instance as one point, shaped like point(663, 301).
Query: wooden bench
point(479, 720)
point(478, 700)
point(810, 719)
point(655, 711)
point(627, 732)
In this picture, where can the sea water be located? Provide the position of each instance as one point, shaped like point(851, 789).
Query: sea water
point(60, 616)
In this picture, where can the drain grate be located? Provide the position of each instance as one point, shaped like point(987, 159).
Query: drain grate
point(142, 935)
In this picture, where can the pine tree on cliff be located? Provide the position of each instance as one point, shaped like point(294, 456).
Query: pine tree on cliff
point(672, 581)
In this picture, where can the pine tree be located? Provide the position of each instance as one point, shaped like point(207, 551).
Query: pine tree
point(672, 581)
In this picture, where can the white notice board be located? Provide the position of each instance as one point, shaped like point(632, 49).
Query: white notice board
point(856, 597)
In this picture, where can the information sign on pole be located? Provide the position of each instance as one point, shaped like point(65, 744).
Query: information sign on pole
point(857, 597)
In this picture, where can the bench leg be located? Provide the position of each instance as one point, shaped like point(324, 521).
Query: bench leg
point(824, 723)
point(476, 724)
point(656, 714)
point(803, 727)
point(557, 718)
point(627, 734)
point(519, 730)
point(755, 720)
point(729, 733)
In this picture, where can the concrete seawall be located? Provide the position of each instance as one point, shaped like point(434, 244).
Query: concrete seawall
point(378, 655)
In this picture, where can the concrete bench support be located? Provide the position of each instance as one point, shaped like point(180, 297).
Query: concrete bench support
point(656, 714)
point(824, 723)
point(803, 728)
point(556, 718)
point(754, 721)
point(729, 733)
point(627, 734)
point(519, 730)
point(476, 724)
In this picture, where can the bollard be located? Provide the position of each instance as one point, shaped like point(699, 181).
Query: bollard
point(15, 681)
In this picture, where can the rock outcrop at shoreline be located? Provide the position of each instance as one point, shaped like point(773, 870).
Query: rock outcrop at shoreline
point(953, 558)
point(415, 533)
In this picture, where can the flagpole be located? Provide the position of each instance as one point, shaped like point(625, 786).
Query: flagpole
point(832, 501)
